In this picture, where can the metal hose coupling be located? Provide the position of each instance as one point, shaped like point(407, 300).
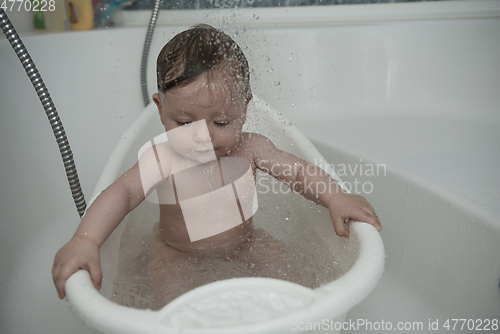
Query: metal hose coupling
point(50, 110)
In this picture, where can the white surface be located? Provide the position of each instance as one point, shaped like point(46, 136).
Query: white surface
point(442, 260)
point(442, 265)
point(457, 158)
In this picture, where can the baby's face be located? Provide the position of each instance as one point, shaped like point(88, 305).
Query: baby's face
point(213, 117)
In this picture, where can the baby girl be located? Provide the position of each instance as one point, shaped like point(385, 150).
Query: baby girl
point(202, 99)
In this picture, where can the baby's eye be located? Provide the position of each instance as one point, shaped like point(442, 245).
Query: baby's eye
point(182, 123)
point(221, 123)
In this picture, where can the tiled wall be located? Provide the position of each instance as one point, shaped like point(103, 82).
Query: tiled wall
point(197, 4)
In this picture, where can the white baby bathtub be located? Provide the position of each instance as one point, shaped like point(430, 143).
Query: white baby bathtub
point(239, 305)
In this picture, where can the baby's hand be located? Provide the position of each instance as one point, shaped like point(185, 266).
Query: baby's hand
point(78, 253)
point(345, 206)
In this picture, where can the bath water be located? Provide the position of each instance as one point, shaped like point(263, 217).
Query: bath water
point(285, 246)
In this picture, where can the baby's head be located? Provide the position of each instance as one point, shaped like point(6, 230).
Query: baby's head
point(203, 75)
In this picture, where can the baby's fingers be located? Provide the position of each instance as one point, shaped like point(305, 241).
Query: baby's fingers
point(339, 226)
point(95, 274)
point(59, 276)
point(368, 217)
point(376, 222)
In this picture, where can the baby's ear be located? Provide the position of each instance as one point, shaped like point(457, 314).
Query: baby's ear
point(157, 101)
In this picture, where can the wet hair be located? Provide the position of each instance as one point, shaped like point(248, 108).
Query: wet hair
point(198, 50)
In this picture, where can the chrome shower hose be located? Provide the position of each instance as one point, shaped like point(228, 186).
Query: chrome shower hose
point(50, 110)
point(49, 107)
point(145, 52)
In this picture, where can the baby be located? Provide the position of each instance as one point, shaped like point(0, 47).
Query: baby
point(202, 99)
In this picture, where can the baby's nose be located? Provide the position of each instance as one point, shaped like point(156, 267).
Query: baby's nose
point(201, 133)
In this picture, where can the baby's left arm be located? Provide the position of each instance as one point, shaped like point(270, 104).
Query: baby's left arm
point(311, 182)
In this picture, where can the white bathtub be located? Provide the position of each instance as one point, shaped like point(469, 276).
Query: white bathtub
point(416, 83)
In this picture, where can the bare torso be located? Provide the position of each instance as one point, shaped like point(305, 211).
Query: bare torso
point(241, 251)
point(173, 229)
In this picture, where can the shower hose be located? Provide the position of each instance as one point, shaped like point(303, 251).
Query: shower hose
point(50, 110)
point(49, 107)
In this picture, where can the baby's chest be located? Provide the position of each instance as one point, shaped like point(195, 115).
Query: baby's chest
point(212, 197)
point(205, 180)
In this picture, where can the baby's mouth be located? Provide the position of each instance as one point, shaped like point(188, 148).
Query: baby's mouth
point(204, 150)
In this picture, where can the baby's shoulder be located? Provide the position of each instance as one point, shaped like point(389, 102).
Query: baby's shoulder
point(253, 140)
point(255, 145)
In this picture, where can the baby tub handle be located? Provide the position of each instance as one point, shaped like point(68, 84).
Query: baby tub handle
point(368, 265)
point(103, 312)
point(253, 304)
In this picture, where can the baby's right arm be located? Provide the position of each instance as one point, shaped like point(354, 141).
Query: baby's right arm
point(101, 218)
